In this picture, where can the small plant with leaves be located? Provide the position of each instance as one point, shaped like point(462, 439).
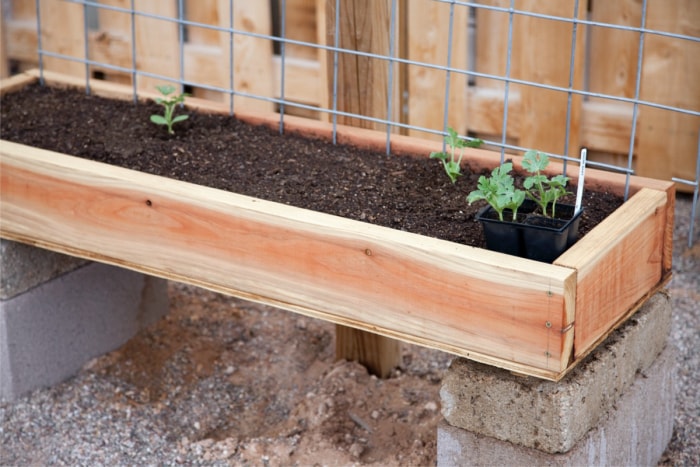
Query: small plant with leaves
point(541, 189)
point(169, 102)
point(499, 191)
point(452, 166)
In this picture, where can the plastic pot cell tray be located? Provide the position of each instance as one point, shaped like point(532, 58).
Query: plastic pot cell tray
point(534, 237)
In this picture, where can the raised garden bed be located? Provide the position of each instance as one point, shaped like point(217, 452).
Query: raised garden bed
point(530, 317)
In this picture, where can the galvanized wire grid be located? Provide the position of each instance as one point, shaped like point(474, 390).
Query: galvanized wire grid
point(393, 61)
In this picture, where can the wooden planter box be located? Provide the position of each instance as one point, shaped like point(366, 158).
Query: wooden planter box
point(529, 317)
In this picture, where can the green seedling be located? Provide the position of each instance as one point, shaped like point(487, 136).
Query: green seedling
point(169, 104)
point(452, 166)
point(541, 189)
point(499, 191)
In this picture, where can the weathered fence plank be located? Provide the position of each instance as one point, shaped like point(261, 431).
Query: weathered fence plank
point(426, 86)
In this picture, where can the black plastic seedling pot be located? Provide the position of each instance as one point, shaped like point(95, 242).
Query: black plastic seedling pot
point(531, 236)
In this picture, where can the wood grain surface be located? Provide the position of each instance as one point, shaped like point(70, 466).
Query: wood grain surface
point(461, 299)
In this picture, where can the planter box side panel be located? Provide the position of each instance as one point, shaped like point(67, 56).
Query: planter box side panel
point(17, 82)
point(415, 288)
point(619, 264)
point(478, 159)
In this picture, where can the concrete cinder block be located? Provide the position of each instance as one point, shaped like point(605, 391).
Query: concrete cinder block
point(49, 332)
point(635, 431)
point(23, 267)
point(553, 417)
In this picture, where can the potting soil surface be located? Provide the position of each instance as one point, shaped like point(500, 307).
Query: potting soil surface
point(405, 193)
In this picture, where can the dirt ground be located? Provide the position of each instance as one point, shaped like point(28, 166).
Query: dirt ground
point(288, 400)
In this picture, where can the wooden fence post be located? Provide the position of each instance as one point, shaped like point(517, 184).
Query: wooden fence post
point(363, 89)
point(363, 82)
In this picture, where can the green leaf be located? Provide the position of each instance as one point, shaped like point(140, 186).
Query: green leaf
point(498, 190)
point(165, 89)
point(533, 180)
point(474, 143)
point(439, 155)
point(535, 161)
point(452, 137)
point(453, 170)
point(476, 195)
point(558, 181)
point(518, 197)
point(180, 118)
point(501, 172)
point(159, 120)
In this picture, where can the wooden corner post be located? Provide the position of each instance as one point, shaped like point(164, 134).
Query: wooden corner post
point(362, 88)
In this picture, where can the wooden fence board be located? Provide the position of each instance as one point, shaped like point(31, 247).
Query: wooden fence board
point(4, 63)
point(211, 12)
point(542, 49)
point(324, 91)
point(253, 57)
point(151, 34)
point(62, 31)
point(302, 25)
point(614, 73)
point(676, 64)
point(426, 86)
point(492, 47)
point(116, 22)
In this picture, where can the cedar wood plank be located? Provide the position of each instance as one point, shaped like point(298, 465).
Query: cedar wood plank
point(402, 285)
point(628, 242)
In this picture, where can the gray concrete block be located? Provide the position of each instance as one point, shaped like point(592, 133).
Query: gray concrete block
point(23, 267)
point(49, 332)
point(549, 416)
point(634, 432)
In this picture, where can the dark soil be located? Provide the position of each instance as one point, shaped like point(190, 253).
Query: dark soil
point(405, 193)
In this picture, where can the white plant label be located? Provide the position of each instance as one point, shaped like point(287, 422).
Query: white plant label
point(581, 175)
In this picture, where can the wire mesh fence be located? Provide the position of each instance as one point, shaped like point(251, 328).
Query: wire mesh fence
point(525, 74)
